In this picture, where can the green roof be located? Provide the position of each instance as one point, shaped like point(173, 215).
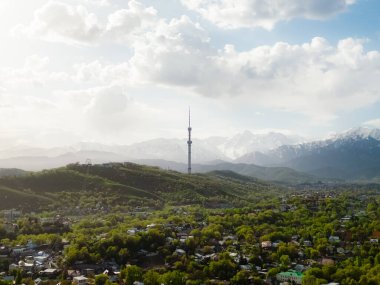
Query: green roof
point(291, 273)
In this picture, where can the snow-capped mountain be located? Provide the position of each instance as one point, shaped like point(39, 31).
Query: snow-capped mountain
point(204, 150)
point(354, 154)
point(248, 142)
point(359, 133)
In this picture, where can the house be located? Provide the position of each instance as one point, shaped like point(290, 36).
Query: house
point(4, 250)
point(376, 234)
point(31, 244)
point(345, 219)
point(11, 215)
point(150, 226)
point(41, 259)
point(132, 231)
point(18, 250)
point(295, 237)
point(246, 267)
point(327, 261)
point(266, 244)
point(334, 239)
point(340, 250)
point(10, 227)
point(13, 266)
point(290, 276)
point(49, 272)
point(307, 243)
point(25, 266)
point(80, 280)
point(180, 252)
point(299, 268)
point(169, 240)
point(89, 272)
point(284, 207)
point(73, 273)
point(8, 278)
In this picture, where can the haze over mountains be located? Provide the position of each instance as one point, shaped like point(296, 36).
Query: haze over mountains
point(204, 151)
point(353, 155)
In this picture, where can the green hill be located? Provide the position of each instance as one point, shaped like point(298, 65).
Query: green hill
point(83, 188)
point(282, 175)
point(12, 172)
point(278, 175)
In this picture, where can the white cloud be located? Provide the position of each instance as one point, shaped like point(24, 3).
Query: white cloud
point(59, 22)
point(175, 53)
point(35, 62)
point(107, 101)
point(97, 72)
point(373, 123)
point(98, 2)
point(107, 109)
point(233, 14)
point(110, 114)
point(33, 74)
point(123, 23)
point(316, 79)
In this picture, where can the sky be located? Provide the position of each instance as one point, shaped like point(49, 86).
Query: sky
point(120, 72)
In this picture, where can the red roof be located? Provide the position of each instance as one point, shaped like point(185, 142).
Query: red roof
point(376, 234)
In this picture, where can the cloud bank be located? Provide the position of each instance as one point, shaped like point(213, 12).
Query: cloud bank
point(64, 23)
point(234, 14)
point(316, 80)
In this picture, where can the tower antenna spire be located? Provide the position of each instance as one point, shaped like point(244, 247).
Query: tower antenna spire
point(189, 142)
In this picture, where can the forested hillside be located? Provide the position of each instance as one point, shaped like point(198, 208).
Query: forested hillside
point(111, 185)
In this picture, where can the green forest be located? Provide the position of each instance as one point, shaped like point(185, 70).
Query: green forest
point(128, 223)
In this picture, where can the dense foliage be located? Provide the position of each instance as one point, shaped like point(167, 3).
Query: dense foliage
point(202, 229)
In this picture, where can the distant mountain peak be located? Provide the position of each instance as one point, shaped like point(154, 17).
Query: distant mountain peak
point(360, 133)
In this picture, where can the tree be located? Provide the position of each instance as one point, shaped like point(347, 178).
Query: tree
point(241, 278)
point(173, 278)
point(309, 280)
point(18, 278)
point(224, 268)
point(272, 272)
point(131, 274)
point(257, 281)
point(151, 277)
point(101, 279)
point(285, 261)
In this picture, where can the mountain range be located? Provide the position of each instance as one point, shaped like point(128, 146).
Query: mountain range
point(352, 155)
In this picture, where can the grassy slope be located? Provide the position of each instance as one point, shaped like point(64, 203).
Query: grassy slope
point(121, 183)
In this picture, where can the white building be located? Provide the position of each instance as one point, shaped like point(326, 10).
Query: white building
point(80, 280)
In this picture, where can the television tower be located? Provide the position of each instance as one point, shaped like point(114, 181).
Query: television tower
point(189, 142)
